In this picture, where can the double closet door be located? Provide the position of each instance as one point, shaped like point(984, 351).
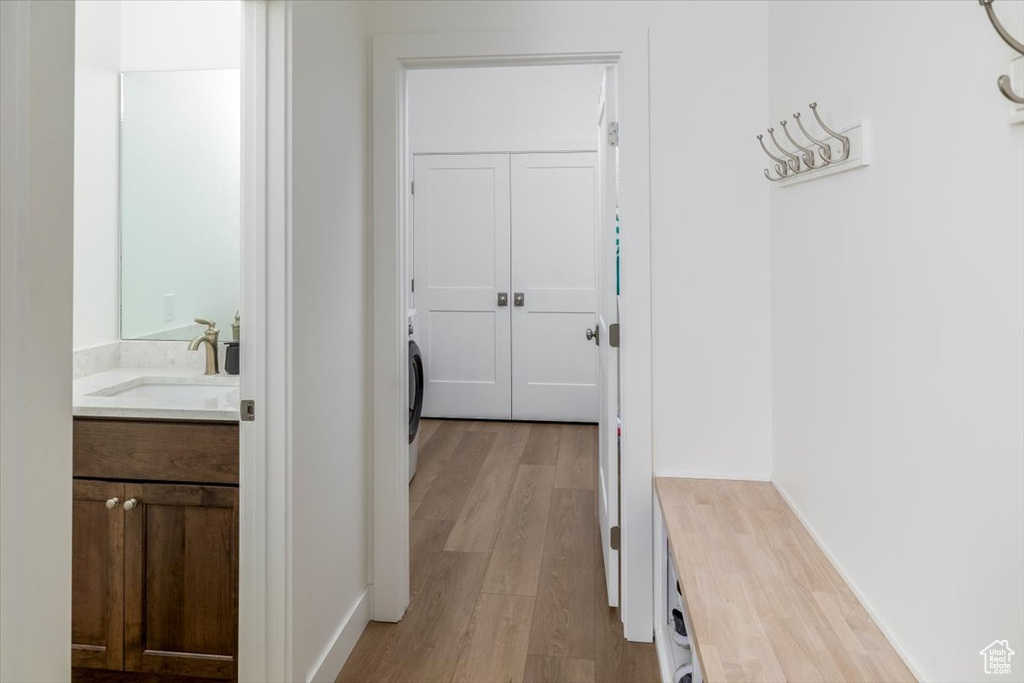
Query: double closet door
point(505, 285)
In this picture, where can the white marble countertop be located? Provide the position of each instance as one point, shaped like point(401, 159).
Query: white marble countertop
point(96, 395)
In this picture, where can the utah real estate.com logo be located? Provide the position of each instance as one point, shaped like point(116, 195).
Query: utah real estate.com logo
point(997, 657)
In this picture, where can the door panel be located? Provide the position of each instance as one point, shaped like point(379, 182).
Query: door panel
point(608, 357)
point(554, 265)
point(97, 575)
point(181, 580)
point(461, 262)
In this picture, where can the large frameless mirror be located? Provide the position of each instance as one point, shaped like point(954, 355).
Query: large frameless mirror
point(180, 201)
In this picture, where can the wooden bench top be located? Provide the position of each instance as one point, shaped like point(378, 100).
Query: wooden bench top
point(764, 601)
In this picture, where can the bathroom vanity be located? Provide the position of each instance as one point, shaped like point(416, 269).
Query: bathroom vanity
point(155, 525)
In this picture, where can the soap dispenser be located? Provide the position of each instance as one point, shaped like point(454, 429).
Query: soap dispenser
point(231, 357)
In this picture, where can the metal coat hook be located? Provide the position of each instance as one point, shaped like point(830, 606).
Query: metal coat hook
point(808, 153)
point(824, 149)
point(781, 167)
point(845, 141)
point(778, 169)
point(794, 160)
point(1003, 81)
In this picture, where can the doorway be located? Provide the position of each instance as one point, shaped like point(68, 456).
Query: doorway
point(506, 258)
point(394, 58)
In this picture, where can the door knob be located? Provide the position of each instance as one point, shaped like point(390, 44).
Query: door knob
point(131, 503)
point(594, 335)
point(112, 503)
point(519, 299)
point(503, 298)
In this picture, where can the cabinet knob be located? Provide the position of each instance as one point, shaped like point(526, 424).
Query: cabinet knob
point(112, 503)
point(131, 503)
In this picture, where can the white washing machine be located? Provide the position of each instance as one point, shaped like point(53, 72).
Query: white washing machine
point(416, 383)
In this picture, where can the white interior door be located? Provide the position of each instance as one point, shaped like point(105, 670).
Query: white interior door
point(461, 243)
point(608, 357)
point(554, 284)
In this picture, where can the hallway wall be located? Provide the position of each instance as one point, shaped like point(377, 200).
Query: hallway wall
point(898, 320)
point(331, 355)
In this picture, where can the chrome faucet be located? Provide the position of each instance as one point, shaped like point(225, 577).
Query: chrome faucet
point(210, 339)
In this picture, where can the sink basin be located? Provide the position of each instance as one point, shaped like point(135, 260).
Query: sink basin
point(165, 390)
point(173, 392)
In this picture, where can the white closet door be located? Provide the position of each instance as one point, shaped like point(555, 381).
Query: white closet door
point(554, 268)
point(461, 244)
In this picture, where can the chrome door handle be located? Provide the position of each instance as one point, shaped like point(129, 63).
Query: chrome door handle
point(503, 298)
point(131, 503)
point(519, 299)
point(594, 335)
point(112, 503)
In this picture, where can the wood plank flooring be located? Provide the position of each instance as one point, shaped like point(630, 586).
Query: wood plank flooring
point(507, 578)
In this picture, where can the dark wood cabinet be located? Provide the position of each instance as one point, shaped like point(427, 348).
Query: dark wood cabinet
point(97, 579)
point(181, 580)
point(155, 574)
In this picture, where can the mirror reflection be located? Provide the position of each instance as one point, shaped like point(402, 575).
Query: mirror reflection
point(180, 202)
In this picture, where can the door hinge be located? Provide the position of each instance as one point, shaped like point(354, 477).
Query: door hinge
point(613, 335)
point(412, 187)
point(247, 410)
point(616, 537)
point(412, 285)
point(613, 133)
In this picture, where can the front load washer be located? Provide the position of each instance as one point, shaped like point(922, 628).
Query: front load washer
point(416, 383)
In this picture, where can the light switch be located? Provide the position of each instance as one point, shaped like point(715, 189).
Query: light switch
point(169, 313)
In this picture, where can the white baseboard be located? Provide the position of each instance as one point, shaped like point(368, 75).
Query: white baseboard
point(336, 654)
point(704, 474)
point(853, 587)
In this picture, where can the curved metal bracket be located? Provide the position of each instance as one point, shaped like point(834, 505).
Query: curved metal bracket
point(825, 149)
point(845, 141)
point(808, 153)
point(1003, 82)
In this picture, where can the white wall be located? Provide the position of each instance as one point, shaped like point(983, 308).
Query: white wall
point(898, 311)
point(534, 108)
point(36, 180)
point(161, 35)
point(97, 102)
point(330, 323)
point(709, 86)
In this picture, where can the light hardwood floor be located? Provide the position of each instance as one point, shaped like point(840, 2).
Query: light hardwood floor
point(507, 578)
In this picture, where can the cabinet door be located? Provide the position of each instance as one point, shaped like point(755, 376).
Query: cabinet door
point(181, 580)
point(97, 575)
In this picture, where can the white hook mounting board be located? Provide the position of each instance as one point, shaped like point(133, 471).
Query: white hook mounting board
point(860, 155)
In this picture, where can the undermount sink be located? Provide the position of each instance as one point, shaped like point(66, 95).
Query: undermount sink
point(166, 390)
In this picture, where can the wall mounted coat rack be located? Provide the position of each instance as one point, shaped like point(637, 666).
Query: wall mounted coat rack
point(819, 154)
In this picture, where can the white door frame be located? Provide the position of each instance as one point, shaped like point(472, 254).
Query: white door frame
point(393, 57)
point(264, 595)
